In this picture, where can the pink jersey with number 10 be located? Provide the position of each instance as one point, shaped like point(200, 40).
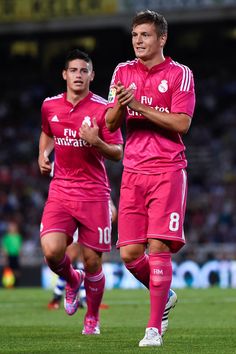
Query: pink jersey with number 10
point(79, 172)
point(167, 87)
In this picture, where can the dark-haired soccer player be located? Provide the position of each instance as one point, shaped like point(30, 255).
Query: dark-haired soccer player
point(156, 96)
point(73, 123)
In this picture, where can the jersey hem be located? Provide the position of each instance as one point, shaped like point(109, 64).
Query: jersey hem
point(48, 231)
point(95, 248)
point(176, 242)
point(151, 172)
point(78, 198)
point(131, 242)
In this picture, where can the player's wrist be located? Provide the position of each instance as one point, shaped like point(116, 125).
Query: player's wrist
point(97, 142)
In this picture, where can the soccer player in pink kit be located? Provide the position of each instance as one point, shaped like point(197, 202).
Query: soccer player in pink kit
point(73, 123)
point(156, 96)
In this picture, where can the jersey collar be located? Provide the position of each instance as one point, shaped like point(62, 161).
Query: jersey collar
point(85, 99)
point(155, 68)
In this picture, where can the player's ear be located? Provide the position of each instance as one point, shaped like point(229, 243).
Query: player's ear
point(64, 74)
point(163, 40)
point(92, 76)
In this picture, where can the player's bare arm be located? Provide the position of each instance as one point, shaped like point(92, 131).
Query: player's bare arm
point(115, 115)
point(91, 135)
point(178, 122)
point(46, 145)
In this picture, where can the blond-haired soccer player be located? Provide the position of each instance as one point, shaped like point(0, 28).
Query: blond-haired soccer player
point(73, 123)
point(155, 95)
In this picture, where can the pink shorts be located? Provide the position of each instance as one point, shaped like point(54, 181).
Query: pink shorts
point(91, 218)
point(152, 206)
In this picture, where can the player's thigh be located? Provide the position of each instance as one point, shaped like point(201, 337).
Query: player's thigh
point(166, 209)
point(54, 245)
point(95, 225)
point(57, 229)
point(58, 218)
point(132, 217)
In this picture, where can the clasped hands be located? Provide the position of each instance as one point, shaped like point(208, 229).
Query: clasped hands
point(125, 96)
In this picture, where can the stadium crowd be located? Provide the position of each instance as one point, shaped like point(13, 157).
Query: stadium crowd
point(211, 141)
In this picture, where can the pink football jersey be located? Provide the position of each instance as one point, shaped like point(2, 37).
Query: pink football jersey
point(79, 170)
point(166, 87)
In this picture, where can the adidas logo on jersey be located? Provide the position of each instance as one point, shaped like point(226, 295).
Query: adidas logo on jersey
point(55, 119)
point(133, 86)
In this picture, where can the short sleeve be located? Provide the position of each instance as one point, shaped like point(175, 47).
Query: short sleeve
point(45, 124)
point(116, 77)
point(183, 93)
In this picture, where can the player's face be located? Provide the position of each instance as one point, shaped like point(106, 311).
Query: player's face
point(78, 76)
point(146, 43)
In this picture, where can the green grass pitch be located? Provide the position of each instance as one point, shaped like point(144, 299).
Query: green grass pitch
point(204, 321)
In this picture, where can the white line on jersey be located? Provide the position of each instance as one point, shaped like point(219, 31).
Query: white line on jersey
point(186, 80)
point(128, 62)
point(98, 99)
point(54, 97)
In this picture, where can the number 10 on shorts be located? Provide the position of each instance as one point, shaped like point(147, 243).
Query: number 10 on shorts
point(104, 235)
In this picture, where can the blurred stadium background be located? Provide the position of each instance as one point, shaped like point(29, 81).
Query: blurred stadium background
point(35, 35)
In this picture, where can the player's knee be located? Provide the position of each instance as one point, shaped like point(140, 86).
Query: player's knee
point(129, 254)
point(52, 254)
point(53, 257)
point(92, 264)
point(127, 258)
point(53, 247)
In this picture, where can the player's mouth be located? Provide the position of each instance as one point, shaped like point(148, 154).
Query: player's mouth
point(140, 49)
point(78, 82)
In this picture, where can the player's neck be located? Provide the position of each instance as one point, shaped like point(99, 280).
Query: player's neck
point(76, 97)
point(149, 63)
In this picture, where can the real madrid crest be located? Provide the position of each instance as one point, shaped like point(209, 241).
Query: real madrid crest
point(87, 120)
point(163, 86)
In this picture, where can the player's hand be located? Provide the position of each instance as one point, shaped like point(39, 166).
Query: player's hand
point(134, 105)
point(124, 95)
point(44, 164)
point(90, 133)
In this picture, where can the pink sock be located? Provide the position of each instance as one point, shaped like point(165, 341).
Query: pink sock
point(160, 280)
point(140, 269)
point(94, 285)
point(65, 270)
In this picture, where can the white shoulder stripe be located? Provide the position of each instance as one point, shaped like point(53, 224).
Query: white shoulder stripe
point(99, 101)
point(54, 97)
point(99, 98)
point(186, 79)
point(127, 63)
